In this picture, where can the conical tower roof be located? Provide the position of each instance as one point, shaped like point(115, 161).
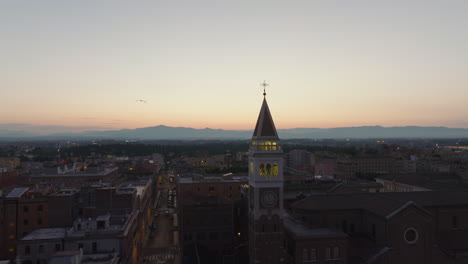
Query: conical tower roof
point(265, 128)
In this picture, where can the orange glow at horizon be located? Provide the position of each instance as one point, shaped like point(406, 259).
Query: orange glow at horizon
point(200, 64)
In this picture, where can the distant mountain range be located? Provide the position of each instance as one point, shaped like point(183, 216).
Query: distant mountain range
point(180, 133)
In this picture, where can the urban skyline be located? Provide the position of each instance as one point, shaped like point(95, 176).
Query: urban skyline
point(329, 64)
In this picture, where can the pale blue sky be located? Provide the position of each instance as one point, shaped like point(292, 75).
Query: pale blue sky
point(199, 63)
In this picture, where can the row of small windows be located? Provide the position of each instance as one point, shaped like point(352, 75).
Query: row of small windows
point(392, 187)
point(267, 145)
point(26, 222)
point(58, 247)
point(40, 249)
point(39, 208)
point(310, 255)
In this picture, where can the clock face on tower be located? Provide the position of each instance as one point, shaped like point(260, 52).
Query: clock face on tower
point(269, 198)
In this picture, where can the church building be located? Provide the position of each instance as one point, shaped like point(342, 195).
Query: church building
point(340, 228)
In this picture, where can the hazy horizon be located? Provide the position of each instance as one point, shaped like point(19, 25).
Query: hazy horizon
point(200, 64)
point(56, 129)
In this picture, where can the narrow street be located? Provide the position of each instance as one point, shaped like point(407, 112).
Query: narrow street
point(162, 245)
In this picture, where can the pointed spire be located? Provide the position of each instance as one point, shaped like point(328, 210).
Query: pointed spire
point(265, 128)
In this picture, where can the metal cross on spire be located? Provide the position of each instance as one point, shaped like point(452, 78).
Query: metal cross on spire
point(264, 84)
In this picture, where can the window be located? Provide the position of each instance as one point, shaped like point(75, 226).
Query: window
point(313, 256)
point(39, 221)
point(27, 250)
point(309, 255)
point(211, 188)
point(41, 249)
point(454, 221)
point(274, 146)
point(200, 236)
point(411, 235)
point(327, 253)
point(261, 146)
point(344, 226)
point(251, 168)
point(25, 222)
point(373, 231)
point(213, 236)
point(78, 227)
point(275, 169)
point(336, 253)
point(351, 228)
point(262, 170)
point(94, 247)
point(268, 169)
point(101, 224)
point(40, 208)
point(306, 255)
point(57, 247)
point(25, 209)
point(80, 245)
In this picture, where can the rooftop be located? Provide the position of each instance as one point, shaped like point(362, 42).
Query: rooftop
point(17, 193)
point(265, 127)
point(213, 179)
point(433, 181)
point(45, 233)
point(89, 172)
point(382, 204)
point(301, 230)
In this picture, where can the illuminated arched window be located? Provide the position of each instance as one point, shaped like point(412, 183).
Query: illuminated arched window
point(275, 169)
point(262, 170)
point(268, 169)
point(251, 168)
point(267, 145)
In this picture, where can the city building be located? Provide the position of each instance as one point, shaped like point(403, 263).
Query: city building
point(72, 177)
point(207, 217)
point(20, 214)
point(9, 163)
point(299, 159)
point(105, 235)
point(104, 222)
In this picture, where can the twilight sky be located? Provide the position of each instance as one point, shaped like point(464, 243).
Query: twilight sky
point(199, 63)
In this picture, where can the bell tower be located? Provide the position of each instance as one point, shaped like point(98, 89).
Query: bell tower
point(265, 191)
